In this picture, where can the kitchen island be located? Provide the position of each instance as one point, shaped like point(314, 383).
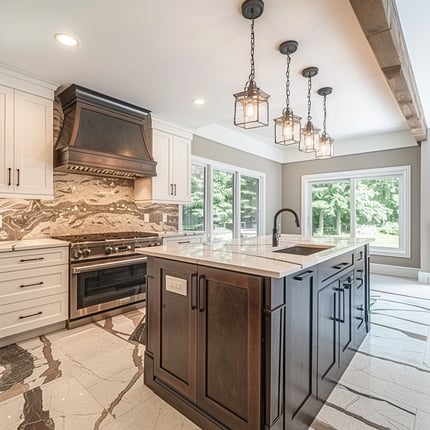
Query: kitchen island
point(241, 335)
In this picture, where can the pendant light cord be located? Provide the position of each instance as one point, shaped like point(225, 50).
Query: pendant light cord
point(252, 74)
point(287, 82)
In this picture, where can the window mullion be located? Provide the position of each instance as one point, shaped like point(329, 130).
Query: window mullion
point(209, 203)
point(236, 205)
point(352, 227)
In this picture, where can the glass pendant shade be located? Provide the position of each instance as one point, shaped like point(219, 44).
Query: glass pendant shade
point(326, 147)
point(310, 140)
point(287, 128)
point(251, 107)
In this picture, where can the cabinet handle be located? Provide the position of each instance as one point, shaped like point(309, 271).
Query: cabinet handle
point(17, 182)
point(10, 176)
point(193, 291)
point(25, 260)
point(303, 275)
point(342, 320)
point(184, 241)
point(202, 293)
point(340, 265)
point(174, 185)
point(31, 285)
point(171, 189)
point(31, 315)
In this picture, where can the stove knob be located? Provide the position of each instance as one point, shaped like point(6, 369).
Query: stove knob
point(116, 249)
point(77, 254)
point(108, 250)
point(128, 248)
point(87, 252)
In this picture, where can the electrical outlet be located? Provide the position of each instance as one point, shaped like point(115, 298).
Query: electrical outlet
point(145, 217)
point(164, 217)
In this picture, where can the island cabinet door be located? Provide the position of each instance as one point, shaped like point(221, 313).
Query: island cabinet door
point(229, 347)
point(334, 332)
point(327, 337)
point(300, 387)
point(173, 316)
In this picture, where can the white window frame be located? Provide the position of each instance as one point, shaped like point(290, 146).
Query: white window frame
point(403, 173)
point(237, 171)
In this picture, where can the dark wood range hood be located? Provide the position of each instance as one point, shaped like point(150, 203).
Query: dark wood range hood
point(102, 136)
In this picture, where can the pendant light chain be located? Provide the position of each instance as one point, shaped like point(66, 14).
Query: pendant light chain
point(325, 115)
point(252, 74)
point(287, 82)
point(309, 99)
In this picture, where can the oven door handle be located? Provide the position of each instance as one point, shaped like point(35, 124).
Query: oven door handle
point(108, 265)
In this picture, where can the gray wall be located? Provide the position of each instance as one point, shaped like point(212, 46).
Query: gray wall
point(292, 176)
point(206, 148)
point(425, 207)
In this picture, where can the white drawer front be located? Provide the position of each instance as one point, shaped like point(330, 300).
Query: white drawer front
point(20, 317)
point(19, 260)
point(33, 283)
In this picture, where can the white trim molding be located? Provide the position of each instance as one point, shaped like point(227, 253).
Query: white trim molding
point(423, 277)
point(401, 271)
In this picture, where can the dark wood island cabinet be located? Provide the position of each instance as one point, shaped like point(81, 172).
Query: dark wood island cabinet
point(238, 351)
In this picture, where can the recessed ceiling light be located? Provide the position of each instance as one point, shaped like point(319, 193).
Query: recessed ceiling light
point(199, 101)
point(66, 39)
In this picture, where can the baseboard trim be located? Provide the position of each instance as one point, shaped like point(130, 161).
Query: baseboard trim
point(423, 277)
point(403, 272)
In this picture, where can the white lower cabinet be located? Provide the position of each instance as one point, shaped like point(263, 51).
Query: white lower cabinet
point(33, 289)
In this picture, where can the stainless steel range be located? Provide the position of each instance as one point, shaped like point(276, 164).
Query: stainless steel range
point(107, 276)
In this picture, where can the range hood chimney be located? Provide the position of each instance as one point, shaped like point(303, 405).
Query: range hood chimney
point(102, 136)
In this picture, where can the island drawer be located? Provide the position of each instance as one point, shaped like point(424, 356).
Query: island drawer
point(29, 314)
point(33, 283)
point(337, 264)
point(19, 260)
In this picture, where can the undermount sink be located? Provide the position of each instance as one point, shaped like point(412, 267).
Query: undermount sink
point(304, 249)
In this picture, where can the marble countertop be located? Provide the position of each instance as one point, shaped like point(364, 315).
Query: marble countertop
point(22, 245)
point(255, 255)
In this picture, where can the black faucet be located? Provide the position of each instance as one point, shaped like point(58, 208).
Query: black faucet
point(276, 234)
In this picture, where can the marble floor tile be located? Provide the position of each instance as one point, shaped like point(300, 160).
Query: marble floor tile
point(422, 421)
point(152, 414)
point(350, 409)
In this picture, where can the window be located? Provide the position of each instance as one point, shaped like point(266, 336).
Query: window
point(225, 201)
point(362, 203)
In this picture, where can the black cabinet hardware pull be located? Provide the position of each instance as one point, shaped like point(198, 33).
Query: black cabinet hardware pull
point(340, 265)
point(303, 275)
point(171, 189)
point(10, 178)
point(25, 260)
point(202, 293)
point(184, 241)
point(342, 320)
point(174, 185)
point(17, 182)
point(193, 291)
point(31, 315)
point(31, 285)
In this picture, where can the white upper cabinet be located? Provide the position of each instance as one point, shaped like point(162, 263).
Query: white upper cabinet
point(171, 149)
point(26, 138)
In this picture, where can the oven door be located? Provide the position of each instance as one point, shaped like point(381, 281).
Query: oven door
point(106, 284)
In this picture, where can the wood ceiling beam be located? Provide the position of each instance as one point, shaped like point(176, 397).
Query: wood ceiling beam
point(380, 22)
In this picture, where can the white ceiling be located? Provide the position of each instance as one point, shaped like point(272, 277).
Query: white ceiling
point(162, 54)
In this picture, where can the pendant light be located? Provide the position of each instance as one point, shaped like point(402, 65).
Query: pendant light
point(326, 147)
point(287, 126)
point(310, 135)
point(251, 107)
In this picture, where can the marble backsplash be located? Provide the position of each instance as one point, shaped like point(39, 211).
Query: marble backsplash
point(81, 205)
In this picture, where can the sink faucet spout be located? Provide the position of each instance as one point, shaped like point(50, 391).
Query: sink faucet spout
point(276, 234)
